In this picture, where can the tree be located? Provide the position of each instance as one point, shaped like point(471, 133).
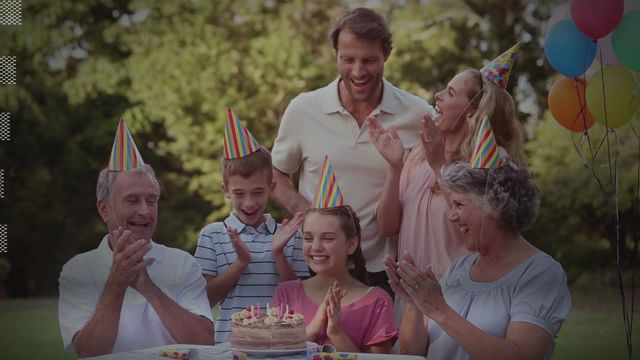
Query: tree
point(579, 196)
point(170, 69)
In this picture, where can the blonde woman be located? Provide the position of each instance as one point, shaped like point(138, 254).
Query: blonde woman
point(412, 205)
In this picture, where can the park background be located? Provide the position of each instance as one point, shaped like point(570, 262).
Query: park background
point(170, 68)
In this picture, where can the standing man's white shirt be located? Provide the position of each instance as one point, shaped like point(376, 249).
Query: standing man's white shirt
point(316, 124)
point(82, 281)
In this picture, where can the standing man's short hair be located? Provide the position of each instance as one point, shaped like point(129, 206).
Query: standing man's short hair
point(366, 24)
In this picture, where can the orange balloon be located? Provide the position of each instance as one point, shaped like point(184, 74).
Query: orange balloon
point(566, 100)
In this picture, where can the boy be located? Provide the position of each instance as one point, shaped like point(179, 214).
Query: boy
point(245, 256)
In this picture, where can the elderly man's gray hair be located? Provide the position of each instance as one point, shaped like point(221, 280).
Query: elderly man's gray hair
point(105, 189)
point(507, 193)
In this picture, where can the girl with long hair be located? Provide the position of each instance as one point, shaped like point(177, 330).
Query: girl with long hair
point(338, 307)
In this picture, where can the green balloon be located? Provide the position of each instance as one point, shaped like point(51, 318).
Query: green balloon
point(620, 95)
point(625, 40)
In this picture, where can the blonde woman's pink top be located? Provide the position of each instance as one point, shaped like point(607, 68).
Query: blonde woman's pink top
point(425, 231)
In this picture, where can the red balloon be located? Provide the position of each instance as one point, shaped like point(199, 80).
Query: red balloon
point(568, 105)
point(597, 18)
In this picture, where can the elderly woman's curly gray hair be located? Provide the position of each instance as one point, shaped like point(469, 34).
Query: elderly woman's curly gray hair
point(507, 193)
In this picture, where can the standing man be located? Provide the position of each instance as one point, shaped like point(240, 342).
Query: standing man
point(131, 293)
point(331, 121)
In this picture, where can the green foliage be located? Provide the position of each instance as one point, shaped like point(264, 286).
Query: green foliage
point(578, 192)
point(435, 41)
point(186, 63)
point(170, 69)
point(5, 267)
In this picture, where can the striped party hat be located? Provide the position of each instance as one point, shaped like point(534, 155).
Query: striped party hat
point(238, 141)
point(486, 153)
point(498, 69)
point(124, 153)
point(328, 193)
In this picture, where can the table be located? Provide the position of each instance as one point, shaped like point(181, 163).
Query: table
point(224, 353)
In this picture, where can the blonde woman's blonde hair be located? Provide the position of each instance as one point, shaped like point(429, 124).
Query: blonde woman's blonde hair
point(485, 97)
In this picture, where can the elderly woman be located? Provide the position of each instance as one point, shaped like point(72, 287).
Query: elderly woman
point(508, 299)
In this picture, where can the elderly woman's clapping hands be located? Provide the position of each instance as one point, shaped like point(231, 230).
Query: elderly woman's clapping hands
point(419, 288)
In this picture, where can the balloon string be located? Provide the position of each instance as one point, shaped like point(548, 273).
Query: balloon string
point(604, 103)
point(581, 113)
point(592, 165)
point(583, 108)
point(636, 242)
point(635, 132)
point(589, 164)
point(631, 111)
point(626, 317)
point(601, 144)
point(486, 189)
point(616, 220)
point(578, 148)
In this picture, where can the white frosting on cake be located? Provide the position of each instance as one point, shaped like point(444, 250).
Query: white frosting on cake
point(266, 330)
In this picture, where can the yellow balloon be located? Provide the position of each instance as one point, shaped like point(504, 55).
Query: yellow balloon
point(621, 96)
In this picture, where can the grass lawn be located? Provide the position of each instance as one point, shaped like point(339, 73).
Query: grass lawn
point(595, 336)
point(594, 330)
point(29, 330)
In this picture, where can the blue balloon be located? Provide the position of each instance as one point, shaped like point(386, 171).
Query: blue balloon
point(568, 50)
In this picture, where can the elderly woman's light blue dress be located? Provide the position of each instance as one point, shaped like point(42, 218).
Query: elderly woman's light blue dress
point(534, 292)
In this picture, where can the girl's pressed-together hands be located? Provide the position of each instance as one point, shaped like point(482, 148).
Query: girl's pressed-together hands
point(334, 328)
point(328, 314)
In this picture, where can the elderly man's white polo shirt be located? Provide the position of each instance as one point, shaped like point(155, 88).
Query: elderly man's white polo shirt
point(316, 124)
point(83, 278)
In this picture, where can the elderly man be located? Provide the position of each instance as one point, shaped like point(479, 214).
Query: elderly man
point(331, 121)
point(131, 293)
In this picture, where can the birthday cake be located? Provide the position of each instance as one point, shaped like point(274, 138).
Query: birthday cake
point(276, 328)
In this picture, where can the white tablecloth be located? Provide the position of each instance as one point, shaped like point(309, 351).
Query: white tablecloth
point(223, 353)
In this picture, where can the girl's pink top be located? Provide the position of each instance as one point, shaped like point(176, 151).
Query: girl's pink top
point(367, 321)
point(425, 230)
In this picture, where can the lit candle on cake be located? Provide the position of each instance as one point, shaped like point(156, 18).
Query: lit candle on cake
point(252, 311)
